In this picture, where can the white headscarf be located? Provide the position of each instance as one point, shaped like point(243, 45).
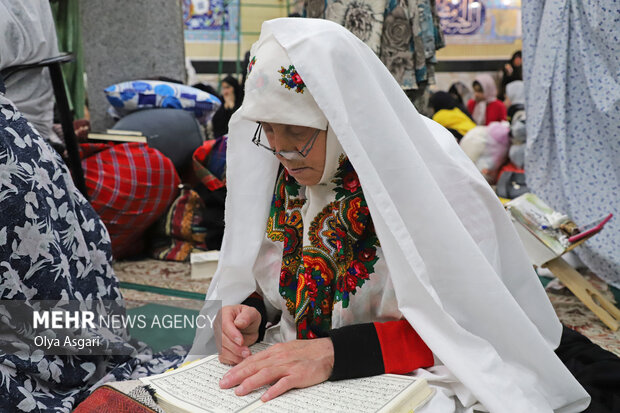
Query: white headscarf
point(515, 92)
point(490, 94)
point(461, 276)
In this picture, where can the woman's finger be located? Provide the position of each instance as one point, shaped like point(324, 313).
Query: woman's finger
point(261, 378)
point(252, 363)
point(229, 329)
point(246, 317)
point(226, 357)
point(283, 385)
point(239, 351)
point(237, 374)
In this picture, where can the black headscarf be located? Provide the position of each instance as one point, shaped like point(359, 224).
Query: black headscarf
point(238, 90)
point(517, 74)
point(444, 100)
point(222, 116)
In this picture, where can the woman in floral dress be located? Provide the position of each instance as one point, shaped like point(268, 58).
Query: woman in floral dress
point(53, 246)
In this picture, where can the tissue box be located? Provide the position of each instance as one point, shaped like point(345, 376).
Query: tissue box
point(204, 264)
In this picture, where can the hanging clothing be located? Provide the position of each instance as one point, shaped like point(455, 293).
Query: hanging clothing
point(29, 36)
point(405, 34)
point(364, 19)
point(397, 51)
point(53, 246)
point(452, 258)
point(572, 93)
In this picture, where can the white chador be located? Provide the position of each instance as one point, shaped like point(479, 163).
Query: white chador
point(451, 262)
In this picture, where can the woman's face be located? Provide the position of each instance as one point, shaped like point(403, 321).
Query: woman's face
point(309, 170)
point(228, 92)
point(478, 93)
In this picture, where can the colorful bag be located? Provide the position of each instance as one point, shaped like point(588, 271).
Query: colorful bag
point(181, 230)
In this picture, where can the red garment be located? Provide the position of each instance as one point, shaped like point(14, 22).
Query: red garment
point(496, 110)
point(402, 348)
point(129, 185)
point(509, 167)
point(106, 399)
point(385, 347)
point(200, 158)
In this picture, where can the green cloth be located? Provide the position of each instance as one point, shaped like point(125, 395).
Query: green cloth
point(162, 338)
point(67, 19)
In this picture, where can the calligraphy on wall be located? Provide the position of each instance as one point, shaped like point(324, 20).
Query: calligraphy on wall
point(208, 20)
point(480, 21)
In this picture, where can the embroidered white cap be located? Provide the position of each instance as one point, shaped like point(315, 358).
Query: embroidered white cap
point(275, 92)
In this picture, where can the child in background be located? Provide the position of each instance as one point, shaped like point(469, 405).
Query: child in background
point(448, 114)
point(484, 107)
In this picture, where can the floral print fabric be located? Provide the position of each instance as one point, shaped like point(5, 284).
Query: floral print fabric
point(363, 18)
point(53, 246)
point(405, 34)
point(571, 56)
point(339, 258)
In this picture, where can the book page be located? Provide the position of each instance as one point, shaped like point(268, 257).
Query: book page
point(368, 394)
point(532, 213)
point(196, 388)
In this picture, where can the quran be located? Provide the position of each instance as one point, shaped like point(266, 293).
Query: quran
point(194, 388)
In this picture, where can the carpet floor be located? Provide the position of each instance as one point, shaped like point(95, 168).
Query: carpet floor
point(161, 282)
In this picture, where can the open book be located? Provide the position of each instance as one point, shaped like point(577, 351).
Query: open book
point(195, 388)
point(531, 212)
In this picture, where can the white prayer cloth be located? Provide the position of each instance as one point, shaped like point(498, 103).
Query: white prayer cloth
point(459, 272)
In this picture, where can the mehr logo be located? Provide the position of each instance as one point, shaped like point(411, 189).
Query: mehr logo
point(63, 319)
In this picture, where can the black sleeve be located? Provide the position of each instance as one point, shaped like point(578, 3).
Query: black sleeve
point(256, 301)
point(357, 352)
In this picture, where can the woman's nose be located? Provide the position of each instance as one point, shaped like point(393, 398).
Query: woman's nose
point(281, 142)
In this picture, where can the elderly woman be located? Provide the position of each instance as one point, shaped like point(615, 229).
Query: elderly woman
point(366, 242)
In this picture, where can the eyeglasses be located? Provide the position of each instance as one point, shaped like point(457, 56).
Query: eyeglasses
point(289, 155)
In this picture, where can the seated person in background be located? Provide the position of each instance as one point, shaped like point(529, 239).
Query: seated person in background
point(360, 237)
point(515, 98)
point(518, 138)
point(232, 96)
point(484, 107)
point(461, 93)
point(512, 70)
point(53, 246)
point(449, 115)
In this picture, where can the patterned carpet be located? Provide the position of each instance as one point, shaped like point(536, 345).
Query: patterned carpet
point(166, 281)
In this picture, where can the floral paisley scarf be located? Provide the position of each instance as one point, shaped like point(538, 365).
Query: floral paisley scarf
point(329, 243)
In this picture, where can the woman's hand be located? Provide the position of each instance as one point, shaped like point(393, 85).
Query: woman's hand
point(295, 364)
point(239, 328)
